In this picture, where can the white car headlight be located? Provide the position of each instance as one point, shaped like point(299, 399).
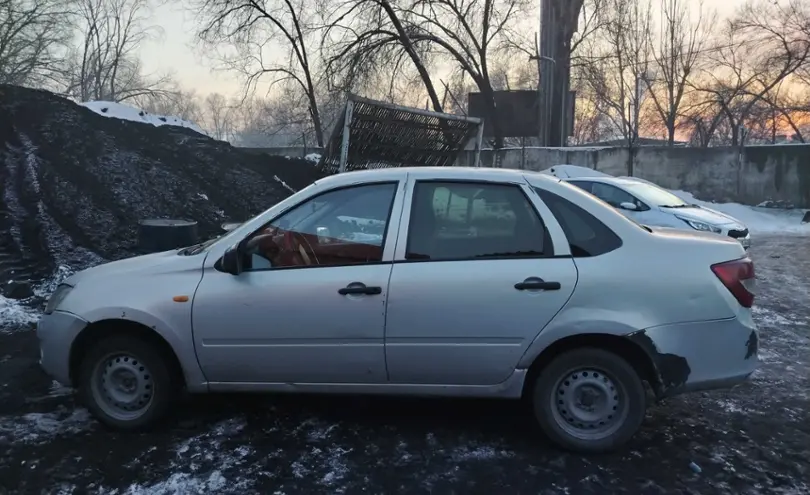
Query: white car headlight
point(59, 295)
point(705, 227)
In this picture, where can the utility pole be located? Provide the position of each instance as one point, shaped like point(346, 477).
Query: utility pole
point(558, 23)
point(545, 69)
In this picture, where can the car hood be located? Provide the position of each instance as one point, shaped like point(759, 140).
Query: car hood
point(706, 215)
point(149, 264)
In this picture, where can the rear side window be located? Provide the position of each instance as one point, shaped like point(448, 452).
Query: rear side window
point(587, 236)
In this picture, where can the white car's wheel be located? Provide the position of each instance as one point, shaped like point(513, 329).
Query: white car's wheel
point(127, 383)
point(589, 400)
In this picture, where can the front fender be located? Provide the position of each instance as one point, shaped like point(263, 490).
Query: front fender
point(175, 331)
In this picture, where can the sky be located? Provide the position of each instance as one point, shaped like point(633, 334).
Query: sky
point(174, 50)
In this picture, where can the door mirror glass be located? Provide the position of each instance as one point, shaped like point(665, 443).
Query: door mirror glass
point(323, 235)
point(628, 206)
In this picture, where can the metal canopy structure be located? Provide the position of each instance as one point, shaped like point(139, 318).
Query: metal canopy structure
point(376, 134)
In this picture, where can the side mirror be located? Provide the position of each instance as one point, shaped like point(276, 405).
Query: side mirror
point(323, 235)
point(231, 261)
point(628, 206)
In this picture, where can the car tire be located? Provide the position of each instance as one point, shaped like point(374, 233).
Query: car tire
point(589, 400)
point(127, 383)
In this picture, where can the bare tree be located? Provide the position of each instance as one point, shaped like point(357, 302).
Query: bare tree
point(365, 39)
point(765, 43)
point(468, 34)
point(265, 38)
point(789, 110)
point(33, 37)
point(617, 71)
point(679, 50)
point(218, 116)
point(176, 102)
point(106, 65)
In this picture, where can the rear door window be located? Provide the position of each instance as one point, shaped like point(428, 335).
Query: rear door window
point(472, 220)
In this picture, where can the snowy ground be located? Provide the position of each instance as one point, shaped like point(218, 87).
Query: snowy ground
point(751, 440)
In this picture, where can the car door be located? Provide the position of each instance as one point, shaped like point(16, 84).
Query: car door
point(474, 281)
point(316, 317)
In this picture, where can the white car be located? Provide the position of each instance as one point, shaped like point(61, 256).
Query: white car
point(649, 204)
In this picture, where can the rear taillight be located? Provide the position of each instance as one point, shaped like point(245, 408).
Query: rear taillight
point(738, 277)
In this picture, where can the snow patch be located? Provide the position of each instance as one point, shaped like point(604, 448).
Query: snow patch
point(126, 112)
point(13, 314)
point(41, 428)
point(564, 171)
point(18, 314)
point(313, 157)
point(759, 220)
point(201, 465)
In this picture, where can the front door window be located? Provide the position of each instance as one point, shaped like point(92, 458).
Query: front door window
point(341, 227)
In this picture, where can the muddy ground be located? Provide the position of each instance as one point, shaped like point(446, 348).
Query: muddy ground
point(752, 439)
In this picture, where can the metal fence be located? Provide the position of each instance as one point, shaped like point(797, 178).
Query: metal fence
point(376, 134)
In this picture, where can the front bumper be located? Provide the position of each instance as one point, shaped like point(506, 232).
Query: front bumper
point(56, 333)
point(707, 355)
point(745, 241)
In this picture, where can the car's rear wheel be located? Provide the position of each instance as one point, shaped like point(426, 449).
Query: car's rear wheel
point(589, 400)
point(127, 383)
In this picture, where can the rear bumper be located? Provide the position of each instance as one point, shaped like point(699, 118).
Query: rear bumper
point(708, 355)
point(56, 333)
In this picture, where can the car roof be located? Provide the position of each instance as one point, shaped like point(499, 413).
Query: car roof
point(607, 180)
point(449, 173)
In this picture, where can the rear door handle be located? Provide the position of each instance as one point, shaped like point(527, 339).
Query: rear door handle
point(357, 288)
point(537, 284)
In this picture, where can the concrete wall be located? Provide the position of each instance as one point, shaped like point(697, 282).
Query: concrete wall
point(749, 176)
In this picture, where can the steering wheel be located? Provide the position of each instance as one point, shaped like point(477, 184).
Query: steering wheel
point(294, 242)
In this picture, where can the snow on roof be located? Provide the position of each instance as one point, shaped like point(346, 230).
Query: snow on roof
point(573, 171)
point(125, 112)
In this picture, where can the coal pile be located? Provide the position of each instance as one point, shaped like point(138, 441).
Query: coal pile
point(74, 184)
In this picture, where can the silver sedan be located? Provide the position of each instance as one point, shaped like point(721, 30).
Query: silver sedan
point(417, 281)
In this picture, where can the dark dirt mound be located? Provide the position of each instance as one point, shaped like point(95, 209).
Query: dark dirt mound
point(74, 184)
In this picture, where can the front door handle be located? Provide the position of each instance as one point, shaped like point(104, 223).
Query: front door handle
point(537, 284)
point(356, 288)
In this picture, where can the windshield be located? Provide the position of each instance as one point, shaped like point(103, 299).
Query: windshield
point(654, 195)
point(199, 248)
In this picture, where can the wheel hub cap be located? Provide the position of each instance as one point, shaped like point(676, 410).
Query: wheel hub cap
point(587, 401)
point(123, 386)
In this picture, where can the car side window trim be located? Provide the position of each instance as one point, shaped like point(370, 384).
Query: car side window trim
point(388, 241)
point(409, 206)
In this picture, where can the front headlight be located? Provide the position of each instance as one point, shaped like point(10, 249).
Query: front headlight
point(59, 295)
point(705, 227)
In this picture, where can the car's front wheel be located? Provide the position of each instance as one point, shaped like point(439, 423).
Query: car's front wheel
point(589, 400)
point(127, 383)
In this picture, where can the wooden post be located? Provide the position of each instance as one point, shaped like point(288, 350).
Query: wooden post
point(344, 146)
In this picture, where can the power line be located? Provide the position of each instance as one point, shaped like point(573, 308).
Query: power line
point(681, 54)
